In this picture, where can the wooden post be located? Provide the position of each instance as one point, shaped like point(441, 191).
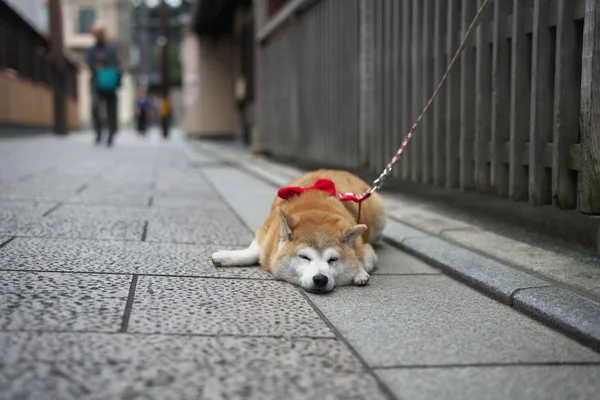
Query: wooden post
point(589, 119)
point(260, 16)
point(452, 97)
point(439, 108)
point(500, 100)
point(407, 93)
point(540, 128)
point(58, 59)
point(366, 82)
point(518, 179)
point(566, 106)
point(483, 107)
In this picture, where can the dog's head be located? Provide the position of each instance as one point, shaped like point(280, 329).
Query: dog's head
point(317, 253)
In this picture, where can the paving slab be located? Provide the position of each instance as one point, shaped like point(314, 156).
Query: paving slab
point(399, 232)
point(209, 202)
point(102, 212)
point(33, 192)
point(496, 383)
point(16, 209)
point(434, 320)
point(494, 278)
point(118, 258)
point(52, 301)
point(250, 197)
point(395, 262)
point(567, 310)
point(130, 198)
point(78, 228)
point(581, 271)
point(207, 214)
point(205, 230)
point(223, 307)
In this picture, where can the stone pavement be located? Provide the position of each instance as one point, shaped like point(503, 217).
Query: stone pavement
point(106, 293)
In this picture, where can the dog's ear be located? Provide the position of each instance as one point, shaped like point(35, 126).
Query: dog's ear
point(351, 234)
point(286, 224)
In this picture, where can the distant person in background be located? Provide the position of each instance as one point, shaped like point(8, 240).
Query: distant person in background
point(102, 60)
point(165, 116)
point(143, 110)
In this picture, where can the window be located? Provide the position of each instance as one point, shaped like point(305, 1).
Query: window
point(86, 17)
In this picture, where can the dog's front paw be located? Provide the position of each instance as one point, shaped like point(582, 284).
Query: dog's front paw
point(369, 259)
point(362, 278)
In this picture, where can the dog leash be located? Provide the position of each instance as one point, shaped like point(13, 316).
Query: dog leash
point(378, 183)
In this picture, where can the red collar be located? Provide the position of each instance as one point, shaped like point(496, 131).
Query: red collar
point(324, 185)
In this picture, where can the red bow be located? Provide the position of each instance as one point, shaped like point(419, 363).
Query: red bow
point(322, 184)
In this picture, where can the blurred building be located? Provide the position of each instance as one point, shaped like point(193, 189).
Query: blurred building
point(28, 74)
point(32, 11)
point(219, 70)
point(78, 18)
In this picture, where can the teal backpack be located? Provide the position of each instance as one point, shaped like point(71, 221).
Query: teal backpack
point(107, 79)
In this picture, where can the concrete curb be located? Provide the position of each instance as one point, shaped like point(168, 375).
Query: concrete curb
point(571, 313)
point(568, 312)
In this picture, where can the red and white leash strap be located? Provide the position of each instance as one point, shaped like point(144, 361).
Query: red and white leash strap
point(378, 183)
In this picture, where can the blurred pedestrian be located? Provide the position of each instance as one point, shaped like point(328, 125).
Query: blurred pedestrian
point(165, 116)
point(143, 109)
point(102, 60)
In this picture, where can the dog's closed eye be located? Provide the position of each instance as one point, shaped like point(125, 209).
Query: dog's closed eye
point(332, 260)
point(304, 257)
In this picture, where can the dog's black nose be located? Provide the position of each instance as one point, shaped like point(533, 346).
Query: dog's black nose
point(320, 280)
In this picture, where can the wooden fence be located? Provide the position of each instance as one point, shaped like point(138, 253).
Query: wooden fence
point(341, 81)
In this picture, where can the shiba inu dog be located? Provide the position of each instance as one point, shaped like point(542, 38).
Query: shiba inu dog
point(313, 239)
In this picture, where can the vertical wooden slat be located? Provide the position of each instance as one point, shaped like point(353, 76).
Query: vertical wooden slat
point(540, 129)
point(407, 99)
point(589, 181)
point(417, 73)
point(500, 100)
point(323, 81)
point(312, 83)
point(328, 59)
point(387, 84)
point(336, 74)
point(519, 103)
point(467, 120)
point(317, 146)
point(566, 106)
point(439, 108)
point(318, 108)
point(344, 132)
point(302, 84)
point(397, 128)
point(452, 96)
point(426, 134)
point(366, 53)
point(294, 68)
point(377, 129)
point(483, 84)
point(355, 42)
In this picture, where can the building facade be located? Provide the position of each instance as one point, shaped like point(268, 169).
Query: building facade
point(30, 74)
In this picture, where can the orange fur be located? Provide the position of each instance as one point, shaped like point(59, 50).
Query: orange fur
point(318, 219)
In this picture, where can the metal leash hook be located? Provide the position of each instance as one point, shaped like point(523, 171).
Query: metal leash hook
point(378, 183)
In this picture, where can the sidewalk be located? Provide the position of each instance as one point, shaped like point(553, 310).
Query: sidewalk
point(106, 293)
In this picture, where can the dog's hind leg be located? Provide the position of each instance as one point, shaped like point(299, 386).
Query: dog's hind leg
point(237, 258)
